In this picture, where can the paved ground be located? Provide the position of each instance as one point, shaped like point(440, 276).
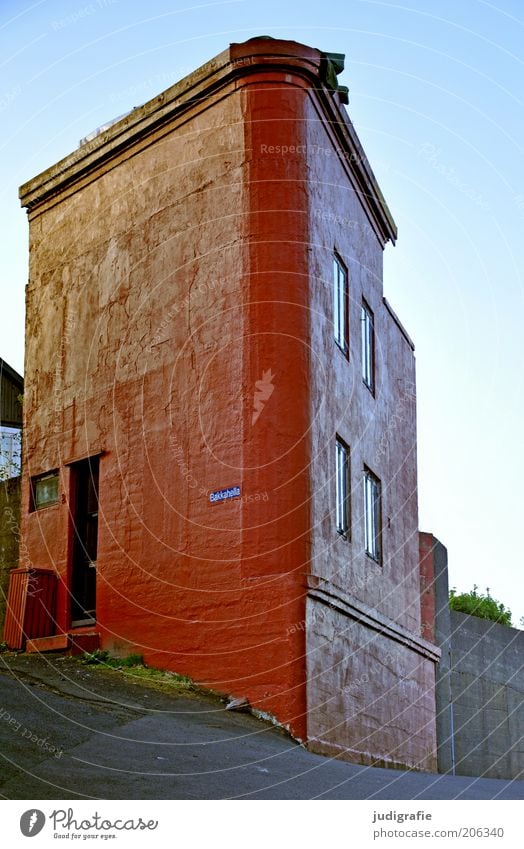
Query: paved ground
point(119, 739)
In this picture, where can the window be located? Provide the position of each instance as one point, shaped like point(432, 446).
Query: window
point(372, 515)
point(340, 305)
point(368, 347)
point(44, 490)
point(342, 487)
point(10, 452)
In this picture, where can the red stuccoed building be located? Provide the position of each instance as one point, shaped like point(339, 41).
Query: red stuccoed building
point(220, 464)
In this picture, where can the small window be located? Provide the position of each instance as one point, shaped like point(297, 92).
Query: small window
point(44, 490)
point(342, 487)
point(372, 515)
point(368, 347)
point(340, 305)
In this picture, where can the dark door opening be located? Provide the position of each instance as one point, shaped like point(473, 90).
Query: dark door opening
point(85, 542)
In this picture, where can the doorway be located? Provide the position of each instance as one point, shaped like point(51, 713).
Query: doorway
point(85, 541)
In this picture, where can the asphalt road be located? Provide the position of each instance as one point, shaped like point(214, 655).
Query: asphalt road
point(69, 731)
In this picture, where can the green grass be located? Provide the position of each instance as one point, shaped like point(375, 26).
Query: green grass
point(133, 667)
point(102, 657)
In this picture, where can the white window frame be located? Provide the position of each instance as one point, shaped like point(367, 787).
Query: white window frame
point(340, 305)
point(342, 487)
point(367, 326)
point(373, 515)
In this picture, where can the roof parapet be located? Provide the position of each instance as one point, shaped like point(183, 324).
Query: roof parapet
point(321, 69)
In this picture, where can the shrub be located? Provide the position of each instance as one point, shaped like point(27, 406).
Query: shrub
point(480, 605)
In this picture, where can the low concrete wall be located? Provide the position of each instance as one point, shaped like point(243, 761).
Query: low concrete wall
point(9, 537)
point(479, 682)
point(487, 688)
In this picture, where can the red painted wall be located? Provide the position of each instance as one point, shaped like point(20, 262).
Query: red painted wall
point(427, 585)
point(160, 294)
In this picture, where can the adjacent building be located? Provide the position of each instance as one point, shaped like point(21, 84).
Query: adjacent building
point(11, 391)
point(220, 465)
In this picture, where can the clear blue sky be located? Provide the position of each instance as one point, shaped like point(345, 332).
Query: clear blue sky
point(436, 94)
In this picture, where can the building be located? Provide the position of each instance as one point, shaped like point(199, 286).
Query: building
point(11, 391)
point(220, 451)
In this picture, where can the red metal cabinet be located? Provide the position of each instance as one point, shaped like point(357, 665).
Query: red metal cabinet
point(30, 606)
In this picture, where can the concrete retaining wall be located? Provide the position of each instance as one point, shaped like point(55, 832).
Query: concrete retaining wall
point(479, 685)
point(487, 688)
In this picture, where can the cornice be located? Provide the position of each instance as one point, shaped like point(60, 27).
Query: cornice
point(327, 593)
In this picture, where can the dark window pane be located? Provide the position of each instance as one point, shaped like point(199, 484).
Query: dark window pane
point(45, 490)
point(372, 516)
point(340, 304)
point(368, 347)
point(342, 487)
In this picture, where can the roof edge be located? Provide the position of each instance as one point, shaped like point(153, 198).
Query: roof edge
point(398, 322)
point(10, 371)
point(238, 60)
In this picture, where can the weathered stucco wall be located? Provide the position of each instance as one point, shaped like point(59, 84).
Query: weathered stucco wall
point(154, 308)
point(370, 698)
point(380, 430)
point(9, 537)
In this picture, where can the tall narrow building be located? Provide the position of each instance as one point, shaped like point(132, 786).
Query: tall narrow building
point(220, 465)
